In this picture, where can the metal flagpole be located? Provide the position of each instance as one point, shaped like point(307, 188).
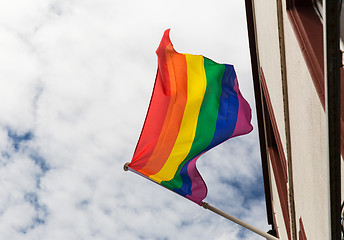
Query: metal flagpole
point(215, 210)
point(127, 168)
point(238, 221)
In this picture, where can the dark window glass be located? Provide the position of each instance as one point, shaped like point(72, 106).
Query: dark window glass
point(318, 5)
point(342, 30)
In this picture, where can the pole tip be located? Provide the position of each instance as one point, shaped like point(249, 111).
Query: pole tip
point(205, 205)
point(126, 166)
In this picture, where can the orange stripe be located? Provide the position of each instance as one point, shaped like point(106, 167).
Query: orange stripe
point(178, 81)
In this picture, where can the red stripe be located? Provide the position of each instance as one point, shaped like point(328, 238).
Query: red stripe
point(157, 110)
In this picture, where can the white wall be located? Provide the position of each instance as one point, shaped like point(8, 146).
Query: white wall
point(308, 142)
point(307, 121)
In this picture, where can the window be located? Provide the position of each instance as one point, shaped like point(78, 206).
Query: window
point(318, 6)
point(307, 25)
point(306, 19)
point(276, 153)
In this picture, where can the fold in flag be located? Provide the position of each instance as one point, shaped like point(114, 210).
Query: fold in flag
point(196, 104)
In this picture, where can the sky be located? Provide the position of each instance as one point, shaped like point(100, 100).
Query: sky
point(75, 83)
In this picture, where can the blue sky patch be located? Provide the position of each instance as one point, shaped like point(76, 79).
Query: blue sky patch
point(39, 161)
point(17, 139)
point(41, 211)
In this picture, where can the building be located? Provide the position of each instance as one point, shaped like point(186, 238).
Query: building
point(301, 144)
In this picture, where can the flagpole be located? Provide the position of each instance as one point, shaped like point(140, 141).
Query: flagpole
point(238, 221)
point(127, 168)
point(213, 209)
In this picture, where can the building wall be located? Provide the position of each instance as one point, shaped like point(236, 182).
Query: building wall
point(307, 121)
point(308, 141)
point(267, 40)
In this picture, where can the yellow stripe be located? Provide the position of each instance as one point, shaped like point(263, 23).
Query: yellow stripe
point(196, 88)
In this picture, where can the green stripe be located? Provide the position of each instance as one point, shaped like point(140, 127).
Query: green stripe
point(207, 118)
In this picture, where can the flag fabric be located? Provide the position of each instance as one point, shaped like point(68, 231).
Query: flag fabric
point(196, 104)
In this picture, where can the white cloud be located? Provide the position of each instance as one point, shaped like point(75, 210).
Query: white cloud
point(76, 77)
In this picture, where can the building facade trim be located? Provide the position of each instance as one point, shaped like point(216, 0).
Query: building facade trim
point(302, 233)
point(259, 109)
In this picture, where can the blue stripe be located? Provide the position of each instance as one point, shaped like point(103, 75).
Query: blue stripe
point(228, 110)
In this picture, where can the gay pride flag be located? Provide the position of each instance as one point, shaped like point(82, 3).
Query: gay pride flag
point(195, 105)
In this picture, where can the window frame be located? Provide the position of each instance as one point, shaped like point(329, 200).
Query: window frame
point(276, 153)
point(302, 233)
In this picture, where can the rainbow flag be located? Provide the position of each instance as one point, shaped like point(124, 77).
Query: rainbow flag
point(195, 105)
